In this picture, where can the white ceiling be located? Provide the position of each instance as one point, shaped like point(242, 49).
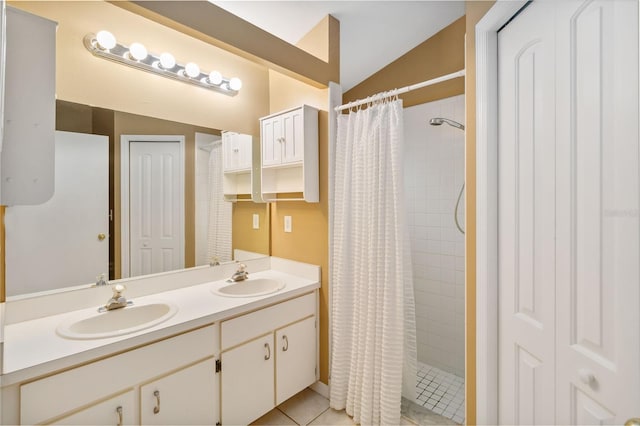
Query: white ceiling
point(372, 33)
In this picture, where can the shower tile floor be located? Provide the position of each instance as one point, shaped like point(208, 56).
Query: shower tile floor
point(440, 392)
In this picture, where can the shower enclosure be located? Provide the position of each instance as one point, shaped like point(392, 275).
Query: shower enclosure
point(434, 178)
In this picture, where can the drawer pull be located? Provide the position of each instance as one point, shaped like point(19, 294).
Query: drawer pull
point(156, 409)
point(268, 348)
point(119, 412)
point(286, 343)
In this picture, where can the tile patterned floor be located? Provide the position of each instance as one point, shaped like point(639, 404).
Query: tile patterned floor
point(311, 408)
point(440, 392)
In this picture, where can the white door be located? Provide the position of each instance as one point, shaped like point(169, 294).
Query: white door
point(295, 358)
point(65, 241)
point(247, 381)
point(186, 397)
point(293, 133)
point(271, 133)
point(568, 202)
point(155, 207)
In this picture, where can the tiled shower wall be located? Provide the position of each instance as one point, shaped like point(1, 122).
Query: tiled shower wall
point(434, 173)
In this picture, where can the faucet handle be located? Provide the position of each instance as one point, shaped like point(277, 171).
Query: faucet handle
point(241, 267)
point(117, 291)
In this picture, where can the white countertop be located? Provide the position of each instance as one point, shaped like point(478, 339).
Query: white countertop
point(33, 348)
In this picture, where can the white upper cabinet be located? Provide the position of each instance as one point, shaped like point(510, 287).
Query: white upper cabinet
point(289, 155)
point(27, 164)
point(237, 150)
point(237, 154)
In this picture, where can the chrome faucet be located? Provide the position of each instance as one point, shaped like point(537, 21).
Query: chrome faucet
point(100, 280)
point(240, 274)
point(117, 300)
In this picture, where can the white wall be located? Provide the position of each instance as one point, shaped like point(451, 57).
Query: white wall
point(434, 172)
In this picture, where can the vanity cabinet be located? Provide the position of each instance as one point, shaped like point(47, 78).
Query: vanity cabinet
point(247, 376)
point(237, 163)
point(267, 356)
point(181, 369)
point(289, 154)
point(295, 358)
point(119, 410)
point(184, 397)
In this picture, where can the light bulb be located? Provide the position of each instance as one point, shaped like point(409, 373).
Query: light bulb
point(137, 51)
point(106, 40)
point(235, 84)
point(215, 77)
point(167, 61)
point(192, 70)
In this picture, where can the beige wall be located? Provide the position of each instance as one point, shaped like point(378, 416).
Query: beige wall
point(309, 241)
point(86, 79)
point(475, 10)
point(439, 55)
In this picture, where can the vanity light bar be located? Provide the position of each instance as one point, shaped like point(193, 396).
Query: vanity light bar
point(104, 45)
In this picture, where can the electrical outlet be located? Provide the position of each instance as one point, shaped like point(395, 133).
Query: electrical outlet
point(256, 221)
point(287, 224)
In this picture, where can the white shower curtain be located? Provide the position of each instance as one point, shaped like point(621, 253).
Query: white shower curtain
point(219, 223)
point(373, 314)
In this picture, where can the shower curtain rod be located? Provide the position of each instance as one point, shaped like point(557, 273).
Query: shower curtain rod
point(209, 146)
point(406, 89)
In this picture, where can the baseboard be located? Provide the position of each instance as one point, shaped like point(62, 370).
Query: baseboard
point(320, 388)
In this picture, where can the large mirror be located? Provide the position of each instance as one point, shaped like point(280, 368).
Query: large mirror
point(128, 113)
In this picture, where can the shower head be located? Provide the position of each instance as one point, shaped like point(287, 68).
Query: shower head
point(438, 121)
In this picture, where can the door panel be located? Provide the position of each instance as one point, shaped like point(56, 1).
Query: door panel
point(66, 228)
point(247, 381)
point(526, 228)
point(156, 234)
point(598, 204)
point(569, 214)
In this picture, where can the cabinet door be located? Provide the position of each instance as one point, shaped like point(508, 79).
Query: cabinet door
point(245, 145)
point(271, 134)
point(119, 410)
point(293, 136)
point(187, 396)
point(295, 359)
point(229, 151)
point(247, 381)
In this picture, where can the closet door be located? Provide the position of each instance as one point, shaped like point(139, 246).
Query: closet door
point(598, 280)
point(526, 209)
point(569, 221)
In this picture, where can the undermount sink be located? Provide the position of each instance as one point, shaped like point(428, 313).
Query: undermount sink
point(250, 288)
point(117, 322)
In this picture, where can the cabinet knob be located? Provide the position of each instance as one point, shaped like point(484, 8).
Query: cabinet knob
point(268, 348)
point(156, 409)
point(101, 237)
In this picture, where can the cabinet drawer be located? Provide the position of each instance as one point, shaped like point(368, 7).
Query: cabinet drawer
point(249, 326)
point(64, 392)
point(114, 411)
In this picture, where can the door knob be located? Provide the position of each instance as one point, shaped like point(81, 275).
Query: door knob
point(586, 376)
point(635, 421)
point(101, 237)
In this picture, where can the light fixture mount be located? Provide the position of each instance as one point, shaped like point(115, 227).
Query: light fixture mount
point(153, 63)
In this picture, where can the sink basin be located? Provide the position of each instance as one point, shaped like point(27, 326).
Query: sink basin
point(250, 288)
point(117, 322)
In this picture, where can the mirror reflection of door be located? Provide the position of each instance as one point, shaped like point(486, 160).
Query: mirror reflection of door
point(71, 228)
point(155, 208)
